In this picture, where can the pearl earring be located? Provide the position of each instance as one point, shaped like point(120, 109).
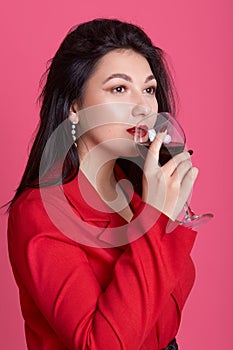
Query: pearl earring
point(74, 121)
point(73, 132)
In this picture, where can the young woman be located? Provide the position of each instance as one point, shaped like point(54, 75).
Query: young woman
point(95, 266)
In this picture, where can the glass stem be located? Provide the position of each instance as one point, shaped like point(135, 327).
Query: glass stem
point(188, 212)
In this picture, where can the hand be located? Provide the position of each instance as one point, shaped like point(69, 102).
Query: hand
point(167, 188)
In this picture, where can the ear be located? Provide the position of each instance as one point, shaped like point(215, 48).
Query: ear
point(73, 113)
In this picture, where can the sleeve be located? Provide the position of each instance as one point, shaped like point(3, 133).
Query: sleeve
point(59, 278)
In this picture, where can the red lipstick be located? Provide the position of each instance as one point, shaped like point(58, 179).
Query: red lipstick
point(140, 130)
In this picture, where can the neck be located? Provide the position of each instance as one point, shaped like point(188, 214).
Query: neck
point(106, 182)
point(99, 170)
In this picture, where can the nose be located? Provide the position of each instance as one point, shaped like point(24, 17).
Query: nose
point(141, 110)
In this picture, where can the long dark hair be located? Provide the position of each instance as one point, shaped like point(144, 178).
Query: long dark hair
point(70, 68)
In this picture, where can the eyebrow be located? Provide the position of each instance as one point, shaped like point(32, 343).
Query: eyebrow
point(127, 77)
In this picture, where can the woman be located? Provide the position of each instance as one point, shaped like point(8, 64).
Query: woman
point(88, 245)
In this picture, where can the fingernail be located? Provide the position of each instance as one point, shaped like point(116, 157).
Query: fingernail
point(190, 151)
point(163, 129)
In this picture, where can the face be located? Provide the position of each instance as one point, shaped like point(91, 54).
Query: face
point(118, 95)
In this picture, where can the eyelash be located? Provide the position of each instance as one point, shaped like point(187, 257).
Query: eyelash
point(114, 90)
point(154, 90)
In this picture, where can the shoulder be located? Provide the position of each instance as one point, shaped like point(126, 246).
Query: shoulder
point(36, 212)
point(28, 206)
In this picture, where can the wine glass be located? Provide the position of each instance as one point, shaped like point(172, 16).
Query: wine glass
point(174, 143)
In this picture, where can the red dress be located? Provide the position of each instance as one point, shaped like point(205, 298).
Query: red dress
point(100, 296)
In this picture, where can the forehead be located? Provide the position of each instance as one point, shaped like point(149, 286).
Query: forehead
point(119, 60)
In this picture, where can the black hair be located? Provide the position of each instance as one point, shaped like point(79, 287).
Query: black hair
point(68, 71)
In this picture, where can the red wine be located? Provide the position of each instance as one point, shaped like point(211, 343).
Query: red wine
point(168, 151)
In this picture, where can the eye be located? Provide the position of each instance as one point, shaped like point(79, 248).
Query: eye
point(150, 90)
point(119, 89)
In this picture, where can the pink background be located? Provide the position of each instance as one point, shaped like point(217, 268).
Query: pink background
point(197, 34)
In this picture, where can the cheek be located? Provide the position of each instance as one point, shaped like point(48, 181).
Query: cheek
point(108, 132)
point(100, 134)
point(154, 105)
point(89, 100)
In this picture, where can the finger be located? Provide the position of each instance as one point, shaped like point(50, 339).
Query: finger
point(174, 162)
point(155, 147)
point(181, 170)
point(188, 182)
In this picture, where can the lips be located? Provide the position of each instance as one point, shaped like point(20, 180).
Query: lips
point(141, 130)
